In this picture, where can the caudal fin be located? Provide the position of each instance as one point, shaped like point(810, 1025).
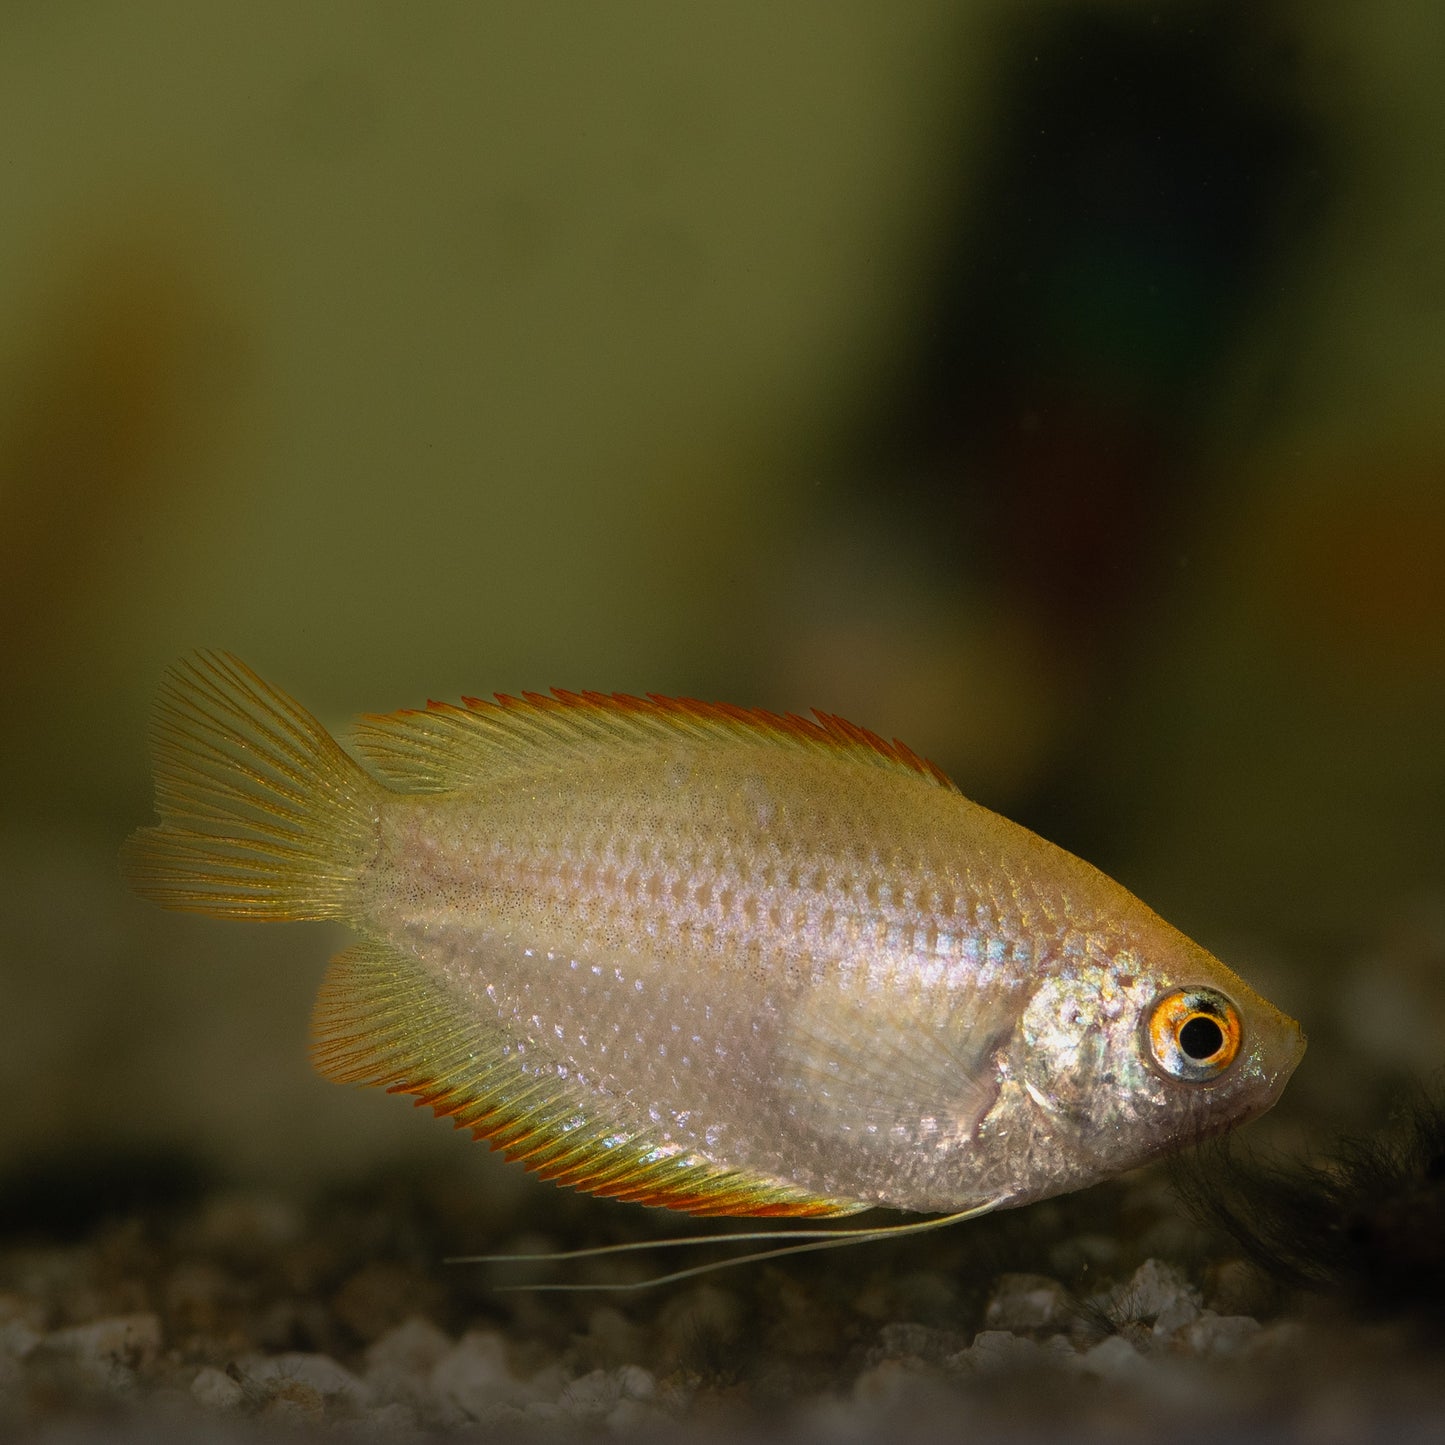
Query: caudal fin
point(262, 814)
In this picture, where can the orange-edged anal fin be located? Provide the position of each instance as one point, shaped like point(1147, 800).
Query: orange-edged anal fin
point(380, 1019)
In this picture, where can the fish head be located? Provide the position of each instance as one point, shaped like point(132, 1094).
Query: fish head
point(1128, 1052)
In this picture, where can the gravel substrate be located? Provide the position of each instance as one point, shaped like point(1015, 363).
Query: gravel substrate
point(237, 1316)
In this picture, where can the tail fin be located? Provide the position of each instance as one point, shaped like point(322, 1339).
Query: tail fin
point(262, 814)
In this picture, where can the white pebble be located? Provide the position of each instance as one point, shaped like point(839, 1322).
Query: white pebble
point(332, 1381)
point(215, 1389)
point(887, 1382)
point(476, 1376)
point(122, 1339)
point(1213, 1334)
point(17, 1339)
point(906, 1340)
point(1026, 1301)
point(1155, 1286)
point(599, 1393)
point(1175, 1316)
point(412, 1348)
point(994, 1350)
point(110, 1351)
point(635, 1383)
point(591, 1394)
point(1114, 1359)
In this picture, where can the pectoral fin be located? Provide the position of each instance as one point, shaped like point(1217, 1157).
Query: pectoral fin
point(861, 1074)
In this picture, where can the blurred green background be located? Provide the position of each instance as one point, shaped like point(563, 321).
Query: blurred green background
point(1056, 386)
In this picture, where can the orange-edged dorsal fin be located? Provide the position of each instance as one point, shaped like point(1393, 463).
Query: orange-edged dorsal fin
point(381, 1019)
point(446, 746)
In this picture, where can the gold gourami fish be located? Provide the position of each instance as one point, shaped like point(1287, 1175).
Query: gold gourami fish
point(703, 956)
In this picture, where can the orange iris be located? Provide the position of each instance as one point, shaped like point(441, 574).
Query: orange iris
point(1194, 1034)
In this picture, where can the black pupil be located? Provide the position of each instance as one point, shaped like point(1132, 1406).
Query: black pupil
point(1201, 1038)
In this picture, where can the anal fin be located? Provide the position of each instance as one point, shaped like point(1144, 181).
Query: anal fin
point(381, 1019)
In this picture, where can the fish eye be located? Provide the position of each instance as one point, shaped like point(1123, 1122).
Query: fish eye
point(1194, 1034)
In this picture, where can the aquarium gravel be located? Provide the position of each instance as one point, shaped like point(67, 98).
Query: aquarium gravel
point(247, 1316)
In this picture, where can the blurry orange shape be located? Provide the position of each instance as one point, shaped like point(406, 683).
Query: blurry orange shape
point(117, 371)
point(1359, 571)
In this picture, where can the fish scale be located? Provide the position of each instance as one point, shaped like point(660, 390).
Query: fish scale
point(702, 956)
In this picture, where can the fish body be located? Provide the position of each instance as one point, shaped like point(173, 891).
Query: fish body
point(706, 957)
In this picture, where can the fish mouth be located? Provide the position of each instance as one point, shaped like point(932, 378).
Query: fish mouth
point(1289, 1050)
point(1301, 1043)
point(1276, 1060)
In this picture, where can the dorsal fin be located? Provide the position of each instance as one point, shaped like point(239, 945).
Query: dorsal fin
point(444, 746)
point(380, 1019)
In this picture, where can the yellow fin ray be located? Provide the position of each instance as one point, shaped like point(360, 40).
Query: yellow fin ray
point(380, 1019)
point(262, 814)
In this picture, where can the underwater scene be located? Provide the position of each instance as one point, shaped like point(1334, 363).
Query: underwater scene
point(825, 624)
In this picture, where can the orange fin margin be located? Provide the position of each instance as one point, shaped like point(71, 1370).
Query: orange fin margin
point(445, 746)
point(380, 1020)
